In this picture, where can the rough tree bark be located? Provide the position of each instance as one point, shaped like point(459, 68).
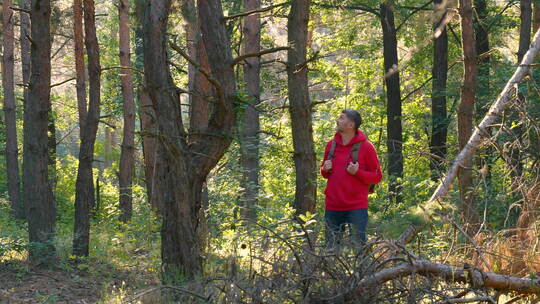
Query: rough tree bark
point(186, 166)
point(127, 154)
point(300, 108)
point(78, 41)
point(482, 49)
point(250, 124)
point(38, 198)
point(199, 87)
point(25, 64)
point(84, 185)
point(439, 119)
point(393, 107)
point(12, 151)
point(147, 115)
point(465, 117)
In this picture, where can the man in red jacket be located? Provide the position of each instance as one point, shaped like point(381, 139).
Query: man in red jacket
point(348, 182)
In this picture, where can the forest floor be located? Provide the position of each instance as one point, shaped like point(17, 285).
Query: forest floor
point(74, 284)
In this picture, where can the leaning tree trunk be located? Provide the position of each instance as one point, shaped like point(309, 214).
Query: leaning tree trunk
point(84, 186)
point(439, 119)
point(128, 141)
point(300, 108)
point(186, 166)
point(465, 117)
point(250, 125)
point(393, 107)
point(12, 151)
point(39, 203)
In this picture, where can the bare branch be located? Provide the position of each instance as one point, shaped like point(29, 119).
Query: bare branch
point(199, 68)
point(261, 10)
point(62, 82)
point(259, 54)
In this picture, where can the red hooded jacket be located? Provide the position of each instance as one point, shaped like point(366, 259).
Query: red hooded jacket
point(344, 191)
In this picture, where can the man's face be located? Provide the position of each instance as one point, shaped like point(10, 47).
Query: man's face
point(343, 123)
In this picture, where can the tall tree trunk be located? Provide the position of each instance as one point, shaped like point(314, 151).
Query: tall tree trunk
point(482, 47)
point(536, 15)
point(484, 159)
point(12, 151)
point(25, 65)
point(514, 157)
point(251, 125)
point(393, 107)
point(128, 141)
point(84, 186)
point(439, 117)
point(78, 40)
point(199, 87)
point(186, 166)
point(200, 93)
point(39, 203)
point(147, 117)
point(300, 108)
point(465, 117)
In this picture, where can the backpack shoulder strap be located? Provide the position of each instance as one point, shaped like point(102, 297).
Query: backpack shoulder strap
point(355, 151)
point(332, 150)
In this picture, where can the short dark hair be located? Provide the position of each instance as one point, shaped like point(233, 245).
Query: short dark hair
point(354, 116)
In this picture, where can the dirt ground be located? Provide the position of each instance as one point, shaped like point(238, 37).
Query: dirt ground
point(22, 283)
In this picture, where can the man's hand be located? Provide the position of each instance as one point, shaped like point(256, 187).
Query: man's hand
point(327, 166)
point(352, 168)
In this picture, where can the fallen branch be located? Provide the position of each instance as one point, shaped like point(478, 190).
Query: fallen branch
point(473, 276)
point(496, 109)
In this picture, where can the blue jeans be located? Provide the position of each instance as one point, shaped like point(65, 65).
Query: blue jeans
point(336, 221)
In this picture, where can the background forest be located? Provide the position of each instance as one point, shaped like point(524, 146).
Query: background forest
point(168, 151)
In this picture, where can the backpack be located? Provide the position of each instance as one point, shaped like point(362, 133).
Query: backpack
point(355, 151)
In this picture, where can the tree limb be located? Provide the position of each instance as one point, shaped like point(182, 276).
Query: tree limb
point(373, 11)
point(199, 68)
point(261, 10)
point(259, 54)
point(62, 82)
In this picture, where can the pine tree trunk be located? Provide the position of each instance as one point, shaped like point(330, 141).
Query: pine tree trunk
point(128, 141)
point(78, 41)
point(84, 186)
point(393, 107)
point(199, 87)
point(439, 119)
point(12, 151)
point(186, 166)
point(147, 117)
point(300, 108)
point(39, 203)
point(465, 117)
point(251, 125)
point(25, 66)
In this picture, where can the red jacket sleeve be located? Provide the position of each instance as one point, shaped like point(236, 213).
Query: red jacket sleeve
point(372, 173)
point(326, 152)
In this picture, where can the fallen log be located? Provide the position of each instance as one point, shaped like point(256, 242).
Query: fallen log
point(451, 274)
